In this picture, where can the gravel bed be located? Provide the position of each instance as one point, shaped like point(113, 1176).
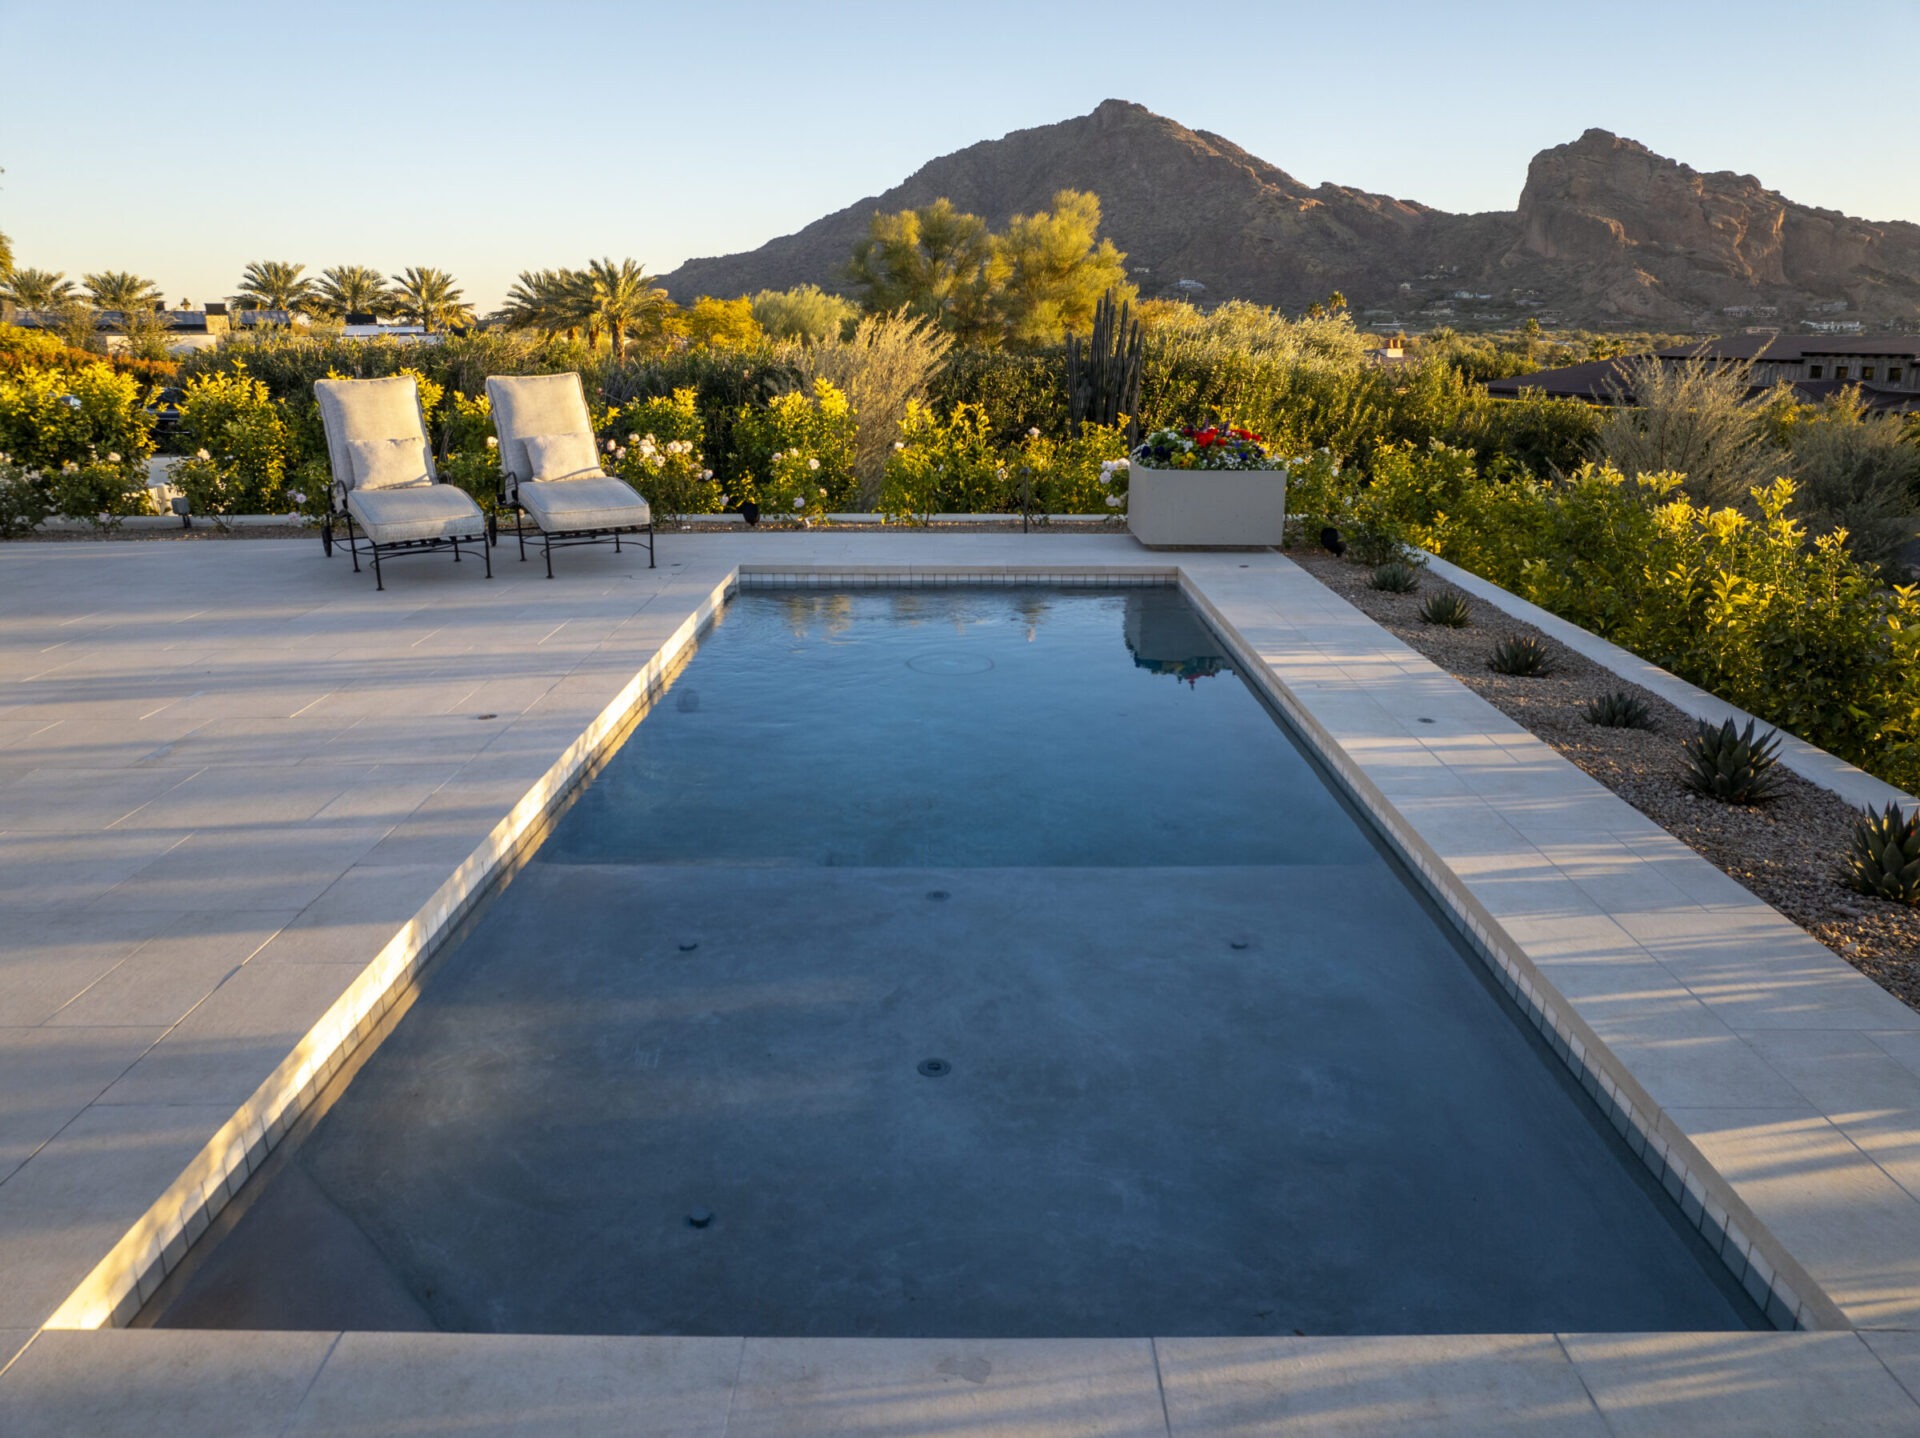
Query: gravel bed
point(1790, 852)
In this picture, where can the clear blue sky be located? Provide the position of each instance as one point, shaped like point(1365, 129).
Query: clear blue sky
point(184, 139)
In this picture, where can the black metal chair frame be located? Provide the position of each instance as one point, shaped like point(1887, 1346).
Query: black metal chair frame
point(486, 539)
point(569, 538)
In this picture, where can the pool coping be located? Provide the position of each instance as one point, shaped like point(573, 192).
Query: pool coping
point(1299, 675)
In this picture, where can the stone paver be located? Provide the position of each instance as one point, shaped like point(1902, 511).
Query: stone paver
point(205, 745)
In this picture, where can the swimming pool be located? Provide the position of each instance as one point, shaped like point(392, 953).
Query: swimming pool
point(959, 962)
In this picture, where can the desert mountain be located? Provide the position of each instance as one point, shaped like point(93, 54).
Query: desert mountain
point(1606, 233)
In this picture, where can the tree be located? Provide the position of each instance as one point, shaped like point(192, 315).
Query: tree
point(723, 324)
point(1049, 271)
point(37, 289)
point(622, 298)
point(121, 290)
point(6, 255)
point(808, 314)
point(542, 300)
point(352, 290)
point(430, 298)
point(274, 285)
point(931, 262)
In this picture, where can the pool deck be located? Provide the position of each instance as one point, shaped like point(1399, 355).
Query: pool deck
point(233, 776)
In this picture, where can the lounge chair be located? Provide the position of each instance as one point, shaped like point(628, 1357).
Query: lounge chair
point(384, 484)
point(550, 468)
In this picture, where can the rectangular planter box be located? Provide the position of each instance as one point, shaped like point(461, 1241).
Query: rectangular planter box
point(1206, 508)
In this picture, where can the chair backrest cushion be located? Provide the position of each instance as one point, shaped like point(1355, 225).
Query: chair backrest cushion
point(388, 463)
point(534, 405)
point(560, 456)
point(370, 409)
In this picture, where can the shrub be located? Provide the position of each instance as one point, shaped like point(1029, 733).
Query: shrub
point(1619, 710)
point(1395, 577)
point(1731, 765)
point(50, 418)
point(24, 499)
point(657, 451)
point(1522, 655)
point(1860, 473)
point(950, 467)
point(1083, 475)
point(885, 366)
point(243, 448)
point(102, 491)
point(1698, 419)
point(1450, 611)
point(796, 453)
point(807, 314)
point(1883, 857)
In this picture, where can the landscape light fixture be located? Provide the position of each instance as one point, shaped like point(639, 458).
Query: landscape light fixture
point(183, 507)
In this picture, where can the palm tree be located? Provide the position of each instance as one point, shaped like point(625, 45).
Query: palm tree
point(623, 297)
point(37, 289)
point(121, 290)
point(352, 289)
point(6, 255)
point(431, 298)
point(540, 300)
point(274, 285)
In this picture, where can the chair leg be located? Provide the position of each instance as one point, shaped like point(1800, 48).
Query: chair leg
point(486, 556)
point(520, 530)
point(549, 540)
point(650, 546)
point(353, 543)
point(379, 580)
point(616, 541)
point(456, 548)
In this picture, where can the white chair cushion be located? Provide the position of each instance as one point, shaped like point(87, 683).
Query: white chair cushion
point(599, 501)
point(534, 404)
point(429, 511)
point(363, 409)
point(560, 456)
point(388, 463)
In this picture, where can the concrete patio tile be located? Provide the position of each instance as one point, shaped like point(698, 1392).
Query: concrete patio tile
point(49, 1076)
point(388, 739)
point(1729, 1385)
point(47, 956)
point(222, 1051)
point(279, 740)
point(1061, 1388)
point(1835, 1210)
point(1840, 1071)
point(222, 795)
point(73, 1199)
point(353, 920)
point(1439, 1387)
point(1685, 1057)
point(12, 1341)
point(1900, 1352)
point(143, 1383)
point(160, 982)
point(487, 1386)
point(74, 800)
point(390, 793)
point(62, 870)
point(284, 867)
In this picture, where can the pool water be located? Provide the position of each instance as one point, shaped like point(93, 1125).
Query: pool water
point(963, 962)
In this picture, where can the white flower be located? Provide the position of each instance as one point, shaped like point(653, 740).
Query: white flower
point(1123, 463)
point(1034, 433)
point(899, 444)
point(492, 443)
point(823, 494)
point(799, 503)
point(113, 457)
point(706, 474)
point(620, 453)
point(777, 456)
point(1000, 473)
point(201, 454)
point(609, 445)
point(813, 464)
point(635, 439)
point(298, 496)
point(1113, 501)
point(649, 439)
point(724, 499)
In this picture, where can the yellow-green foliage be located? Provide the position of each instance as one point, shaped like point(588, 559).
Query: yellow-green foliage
point(796, 453)
point(42, 429)
point(943, 467)
point(1070, 476)
point(657, 449)
point(242, 446)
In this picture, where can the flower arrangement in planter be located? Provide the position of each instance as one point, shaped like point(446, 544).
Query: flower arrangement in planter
point(1212, 487)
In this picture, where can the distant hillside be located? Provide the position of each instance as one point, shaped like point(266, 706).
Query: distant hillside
point(1606, 233)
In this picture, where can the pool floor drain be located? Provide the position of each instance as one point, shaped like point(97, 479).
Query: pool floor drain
point(935, 1068)
point(938, 894)
point(700, 1218)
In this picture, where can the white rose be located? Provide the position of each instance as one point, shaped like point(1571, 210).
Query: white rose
point(1113, 501)
point(201, 454)
point(811, 464)
point(899, 444)
point(799, 503)
point(1034, 433)
point(492, 443)
point(113, 457)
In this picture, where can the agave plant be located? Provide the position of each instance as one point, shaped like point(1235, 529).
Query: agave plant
point(1732, 765)
point(1395, 578)
point(1450, 610)
point(1620, 710)
point(1522, 654)
point(1884, 858)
